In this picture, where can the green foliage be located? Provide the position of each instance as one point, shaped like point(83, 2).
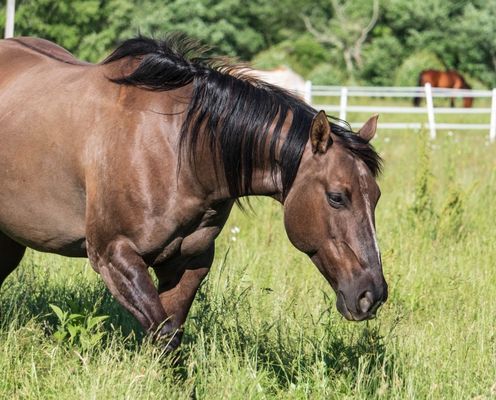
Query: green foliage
point(227, 25)
point(460, 33)
point(456, 34)
point(451, 215)
point(86, 27)
point(411, 18)
point(475, 44)
point(327, 74)
point(272, 57)
point(408, 72)
point(422, 209)
point(302, 55)
point(77, 330)
point(446, 221)
point(381, 56)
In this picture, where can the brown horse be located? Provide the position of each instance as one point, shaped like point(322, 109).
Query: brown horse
point(137, 161)
point(444, 79)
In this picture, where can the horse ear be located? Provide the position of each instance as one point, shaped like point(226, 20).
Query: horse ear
point(320, 133)
point(367, 131)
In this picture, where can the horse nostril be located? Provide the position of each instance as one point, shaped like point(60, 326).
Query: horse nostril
point(366, 301)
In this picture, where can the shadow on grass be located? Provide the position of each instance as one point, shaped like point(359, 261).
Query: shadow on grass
point(29, 291)
point(291, 349)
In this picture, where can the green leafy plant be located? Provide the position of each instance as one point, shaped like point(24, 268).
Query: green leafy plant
point(451, 216)
point(452, 212)
point(422, 212)
point(83, 331)
point(438, 220)
point(408, 72)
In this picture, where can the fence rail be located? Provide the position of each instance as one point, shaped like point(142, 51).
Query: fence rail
point(397, 91)
point(427, 92)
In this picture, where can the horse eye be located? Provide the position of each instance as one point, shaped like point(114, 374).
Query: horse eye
point(336, 200)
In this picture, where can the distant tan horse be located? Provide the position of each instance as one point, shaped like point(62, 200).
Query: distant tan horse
point(283, 77)
point(137, 161)
point(444, 79)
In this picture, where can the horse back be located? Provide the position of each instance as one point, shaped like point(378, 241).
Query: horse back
point(442, 79)
point(24, 59)
point(49, 49)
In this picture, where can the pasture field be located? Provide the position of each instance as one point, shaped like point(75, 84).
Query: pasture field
point(264, 325)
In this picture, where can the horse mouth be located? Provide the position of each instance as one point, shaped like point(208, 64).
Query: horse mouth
point(354, 316)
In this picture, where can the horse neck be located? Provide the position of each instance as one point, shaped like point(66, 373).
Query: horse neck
point(209, 172)
point(251, 129)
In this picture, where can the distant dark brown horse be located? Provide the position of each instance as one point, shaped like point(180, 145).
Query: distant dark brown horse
point(444, 79)
point(136, 163)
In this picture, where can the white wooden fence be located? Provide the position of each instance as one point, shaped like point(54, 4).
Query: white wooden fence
point(426, 92)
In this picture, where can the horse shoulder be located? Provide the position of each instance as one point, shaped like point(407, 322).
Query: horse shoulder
point(135, 191)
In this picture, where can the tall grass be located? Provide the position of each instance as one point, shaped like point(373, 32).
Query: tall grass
point(264, 324)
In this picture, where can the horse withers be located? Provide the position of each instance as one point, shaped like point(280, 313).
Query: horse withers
point(137, 161)
point(444, 79)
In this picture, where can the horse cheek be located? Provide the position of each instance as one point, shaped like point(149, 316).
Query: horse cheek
point(300, 226)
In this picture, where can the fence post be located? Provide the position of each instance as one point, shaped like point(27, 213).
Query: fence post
point(343, 103)
point(307, 96)
point(9, 19)
point(430, 110)
point(492, 129)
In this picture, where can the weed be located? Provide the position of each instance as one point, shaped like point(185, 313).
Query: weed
point(82, 331)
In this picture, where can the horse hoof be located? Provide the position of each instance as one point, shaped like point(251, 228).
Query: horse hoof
point(170, 338)
point(172, 344)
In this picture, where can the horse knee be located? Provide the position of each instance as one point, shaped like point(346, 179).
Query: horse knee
point(126, 276)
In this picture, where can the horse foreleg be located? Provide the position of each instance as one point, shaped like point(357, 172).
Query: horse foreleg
point(452, 102)
point(11, 254)
point(178, 290)
point(126, 276)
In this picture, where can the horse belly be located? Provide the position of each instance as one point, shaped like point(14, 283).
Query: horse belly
point(42, 205)
point(41, 220)
point(445, 81)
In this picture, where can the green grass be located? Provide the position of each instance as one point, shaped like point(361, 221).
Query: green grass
point(264, 324)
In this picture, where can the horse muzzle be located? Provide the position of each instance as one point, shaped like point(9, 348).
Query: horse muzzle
point(360, 300)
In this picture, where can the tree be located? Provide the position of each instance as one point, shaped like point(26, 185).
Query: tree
point(461, 33)
point(226, 25)
point(347, 30)
point(356, 40)
point(86, 27)
point(476, 41)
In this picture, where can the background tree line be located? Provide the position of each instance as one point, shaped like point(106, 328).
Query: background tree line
point(381, 42)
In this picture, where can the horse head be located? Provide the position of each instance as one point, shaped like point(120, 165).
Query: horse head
point(329, 215)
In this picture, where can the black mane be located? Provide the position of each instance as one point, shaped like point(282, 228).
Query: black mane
point(232, 112)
